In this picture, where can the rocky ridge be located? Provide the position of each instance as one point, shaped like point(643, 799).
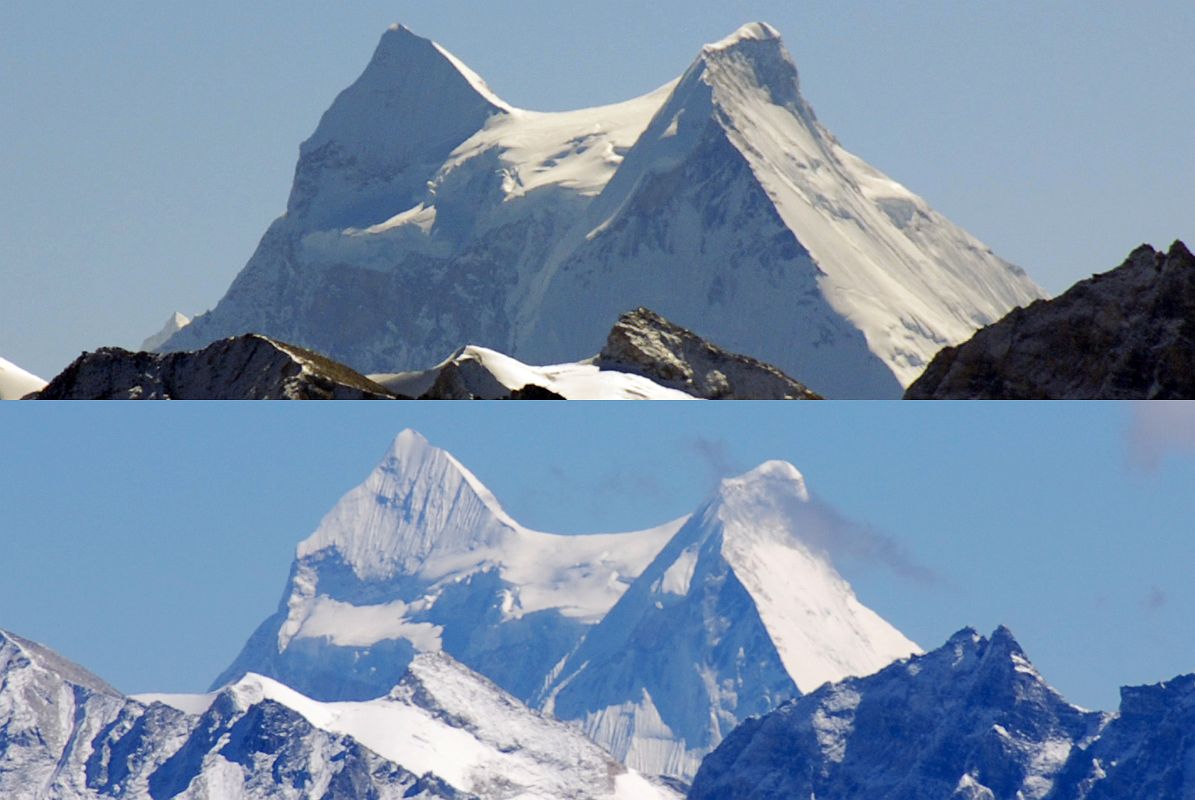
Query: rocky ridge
point(249, 367)
point(1122, 335)
point(644, 343)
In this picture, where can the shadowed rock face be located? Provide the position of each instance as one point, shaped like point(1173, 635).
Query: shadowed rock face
point(1125, 334)
point(972, 720)
point(644, 343)
point(249, 367)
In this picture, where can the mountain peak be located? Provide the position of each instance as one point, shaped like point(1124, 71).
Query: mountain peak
point(752, 31)
point(418, 505)
point(769, 497)
point(750, 61)
point(382, 140)
point(401, 46)
point(771, 472)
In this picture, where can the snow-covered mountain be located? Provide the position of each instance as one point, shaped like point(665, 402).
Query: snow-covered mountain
point(175, 323)
point(66, 735)
point(656, 643)
point(421, 557)
point(972, 720)
point(427, 212)
point(736, 615)
point(15, 382)
point(478, 373)
point(442, 732)
point(445, 720)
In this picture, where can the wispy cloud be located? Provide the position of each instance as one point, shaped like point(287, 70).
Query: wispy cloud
point(714, 454)
point(826, 529)
point(1156, 599)
point(1158, 430)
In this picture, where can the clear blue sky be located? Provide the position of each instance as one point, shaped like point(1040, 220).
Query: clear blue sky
point(146, 146)
point(147, 541)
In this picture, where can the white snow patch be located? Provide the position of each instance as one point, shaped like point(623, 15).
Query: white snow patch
point(677, 577)
point(833, 722)
point(580, 380)
point(174, 324)
point(449, 721)
point(347, 625)
point(188, 703)
point(15, 382)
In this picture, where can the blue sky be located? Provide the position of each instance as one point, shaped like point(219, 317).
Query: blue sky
point(146, 541)
point(148, 145)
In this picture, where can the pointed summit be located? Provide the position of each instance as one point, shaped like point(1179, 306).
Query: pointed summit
point(737, 613)
point(387, 134)
point(754, 59)
point(752, 31)
point(419, 503)
point(421, 558)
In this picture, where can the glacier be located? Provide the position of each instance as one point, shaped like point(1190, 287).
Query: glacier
point(427, 214)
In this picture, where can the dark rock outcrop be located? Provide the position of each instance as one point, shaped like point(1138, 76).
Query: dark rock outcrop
point(644, 343)
point(1125, 334)
point(249, 367)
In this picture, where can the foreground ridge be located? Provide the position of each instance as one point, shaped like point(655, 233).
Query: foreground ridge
point(972, 719)
point(249, 367)
point(1122, 335)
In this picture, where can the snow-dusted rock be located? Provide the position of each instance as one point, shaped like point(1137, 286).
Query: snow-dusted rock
point(426, 212)
point(737, 614)
point(646, 357)
point(16, 383)
point(1144, 753)
point(644, 343)
point(249, 367)
point(66, 735)
point(1125, 334)
point(442, 732)
point(972, 719)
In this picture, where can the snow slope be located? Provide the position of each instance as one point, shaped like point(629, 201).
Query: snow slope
point(488, 374)
point(66, 735)
point(421, 557)
point(737, 614)
point(445, 720)
point(429, 213)
point(15, 382)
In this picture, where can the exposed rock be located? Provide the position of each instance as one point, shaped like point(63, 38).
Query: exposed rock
point(534, 392)
point(972, 720)
point(1125, 334)
point(644, 343)
point(249, 367)
point(1145, 753)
